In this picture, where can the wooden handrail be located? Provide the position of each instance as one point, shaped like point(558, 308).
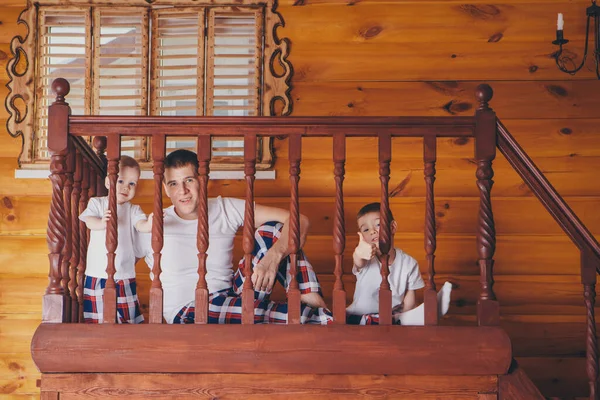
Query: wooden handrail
point(545, 192)
point(108, 125)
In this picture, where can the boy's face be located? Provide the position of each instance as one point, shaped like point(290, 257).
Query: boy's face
point(368, 227)
point(181, 186)
point(126, 184)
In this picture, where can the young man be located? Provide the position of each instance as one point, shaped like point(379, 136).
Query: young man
point(179, 260)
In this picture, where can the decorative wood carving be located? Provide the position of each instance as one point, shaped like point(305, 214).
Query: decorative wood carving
point(112, 239)
point(21, 88)
point(339, 232)
point(385, 234)
point(22, 98)
point(204, 153)
point(83, 233)
point(66, 253)
point(488, 312)
point(277, 87)
point(248, 239)
point(156, 292)
point(75, 229)
point(430, 296)
point(295, 154)
point(54, 301)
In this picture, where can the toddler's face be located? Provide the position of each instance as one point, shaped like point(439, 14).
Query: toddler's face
point(126, 184)
point(368, 227)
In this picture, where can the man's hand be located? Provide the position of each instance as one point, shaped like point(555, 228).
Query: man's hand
point(364, 250)
point(263, 276)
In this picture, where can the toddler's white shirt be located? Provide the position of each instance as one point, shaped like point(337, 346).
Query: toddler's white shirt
point(127, 216)
point(404, 275)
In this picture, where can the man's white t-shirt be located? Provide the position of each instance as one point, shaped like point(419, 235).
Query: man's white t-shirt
point(127, 216)
point(179, 261)
point(404, 275)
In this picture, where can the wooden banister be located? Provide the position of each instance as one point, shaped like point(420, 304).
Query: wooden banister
point(112, 239)
point(201, 295)
point(385, 234)
point(545, 192)
point(156, 292)
point(488, 309)
point(339, 232)
point(53, 309)
point(574, 228)
point(430, 295)
point(248, 239)
point(295, 154)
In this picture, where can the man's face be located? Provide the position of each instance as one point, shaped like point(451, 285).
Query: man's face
point(181, 186)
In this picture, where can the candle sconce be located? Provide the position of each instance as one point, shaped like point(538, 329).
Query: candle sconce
point(563, 60)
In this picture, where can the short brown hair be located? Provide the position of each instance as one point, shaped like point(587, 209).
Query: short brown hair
point(128, 162)
point(182, 158)
point(373, 207)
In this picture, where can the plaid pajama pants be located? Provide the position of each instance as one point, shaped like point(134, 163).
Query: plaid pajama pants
point(128, 306)
point(368, 319)
point(225, 307)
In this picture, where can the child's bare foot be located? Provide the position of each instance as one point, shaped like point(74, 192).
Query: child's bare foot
point(313, 299)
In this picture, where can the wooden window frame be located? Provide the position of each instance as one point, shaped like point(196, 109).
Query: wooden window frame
point(23, 99)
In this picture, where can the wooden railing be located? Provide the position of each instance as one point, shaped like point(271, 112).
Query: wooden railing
point(72, 161)
point(574, 228)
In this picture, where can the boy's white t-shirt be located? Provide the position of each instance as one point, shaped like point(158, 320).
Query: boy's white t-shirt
point(404, 275)
point(127, 216)
point(179, 261)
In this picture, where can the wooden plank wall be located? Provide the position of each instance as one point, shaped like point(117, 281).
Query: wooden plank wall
point(399, 57)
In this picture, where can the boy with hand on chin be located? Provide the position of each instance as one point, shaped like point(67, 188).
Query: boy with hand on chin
point(129, 217)
point(404, 276)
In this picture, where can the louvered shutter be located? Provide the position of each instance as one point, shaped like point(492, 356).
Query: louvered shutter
point(65, 52)
point(121, 68)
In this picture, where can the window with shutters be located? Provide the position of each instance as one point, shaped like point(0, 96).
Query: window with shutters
point(180, 59)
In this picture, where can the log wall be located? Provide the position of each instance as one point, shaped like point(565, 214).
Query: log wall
point(375, 57)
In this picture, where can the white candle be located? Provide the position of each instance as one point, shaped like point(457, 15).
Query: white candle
point(560, 24)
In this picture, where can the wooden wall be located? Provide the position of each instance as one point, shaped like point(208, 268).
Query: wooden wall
point(395, 58)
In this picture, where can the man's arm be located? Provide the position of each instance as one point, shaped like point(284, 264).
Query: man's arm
point(264, 274)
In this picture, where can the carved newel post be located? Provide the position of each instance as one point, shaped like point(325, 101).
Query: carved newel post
point(54, 302)
point(488, 310)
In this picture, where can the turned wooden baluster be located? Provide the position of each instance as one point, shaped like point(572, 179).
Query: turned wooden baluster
point(589, 266)
point(430, 296)
point(99, 143)
point(83, 235)
point(488, 310)
point(295, 152)
point(339, 231)
point(112, 239)
point(204, 154)
point(94, 179)
point(75, 195)
point(385, 293)
point(248, 239)
point(67, 250)
point(53, 307)
point(156, 292)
